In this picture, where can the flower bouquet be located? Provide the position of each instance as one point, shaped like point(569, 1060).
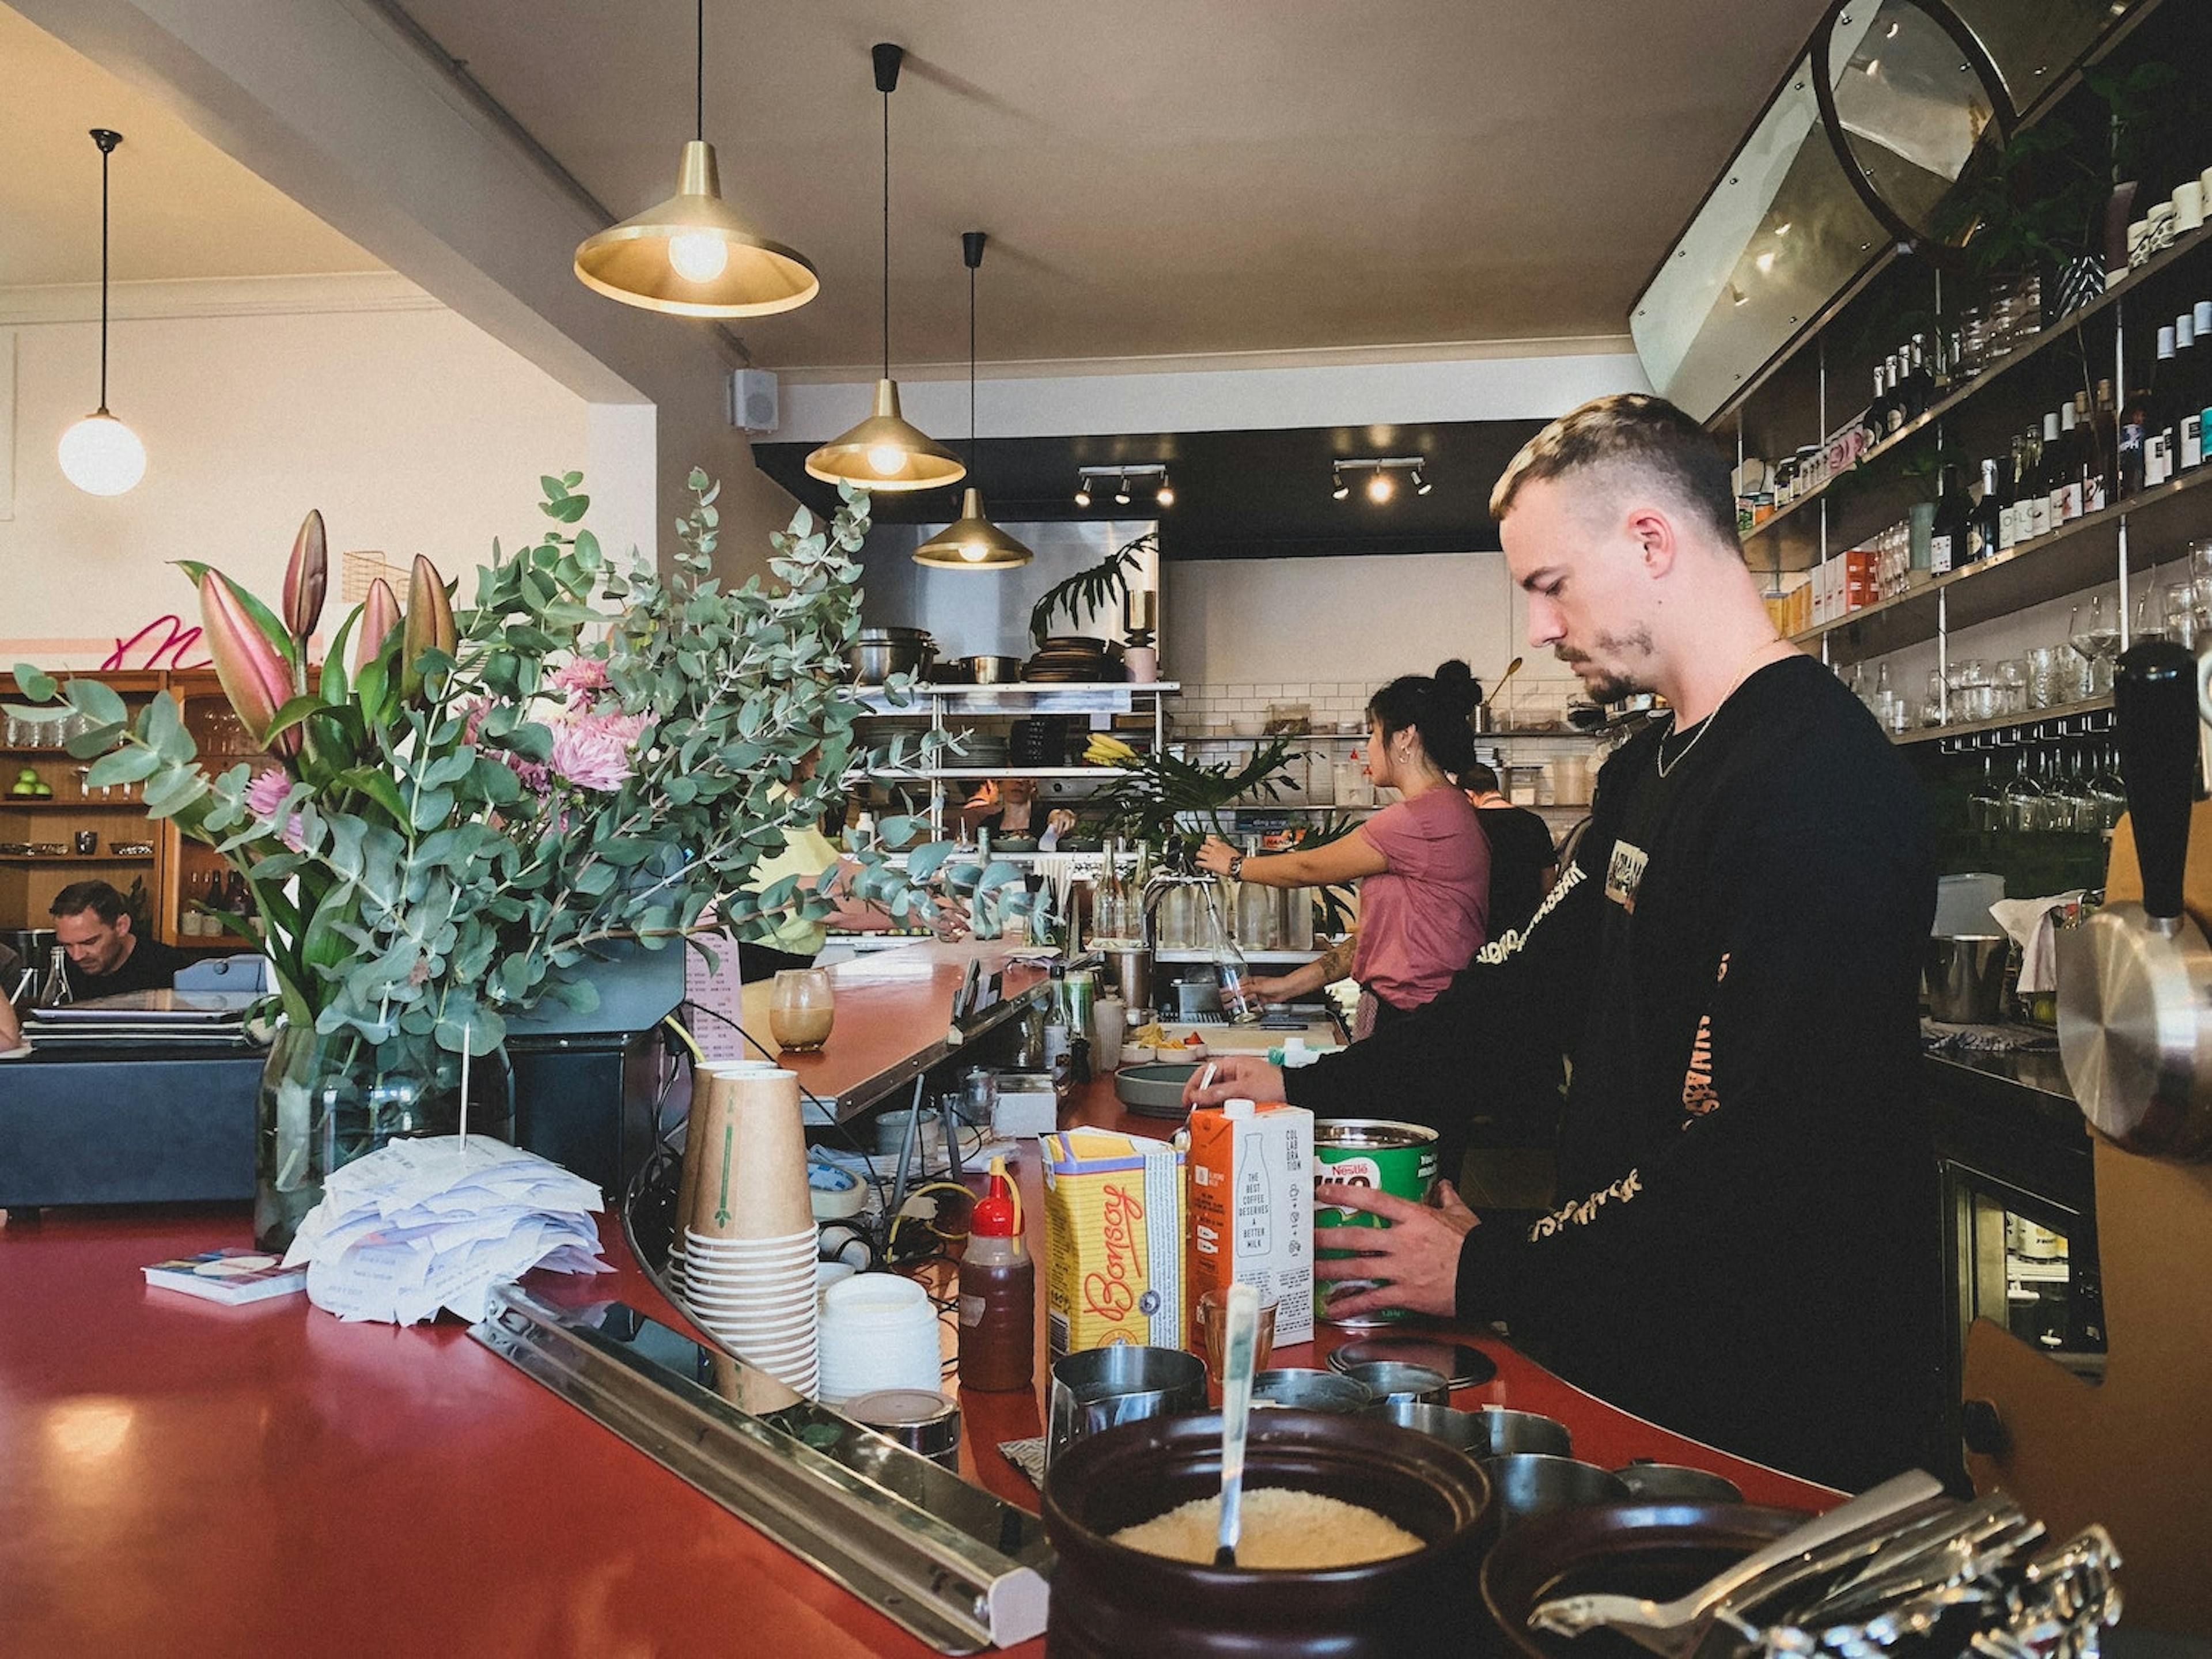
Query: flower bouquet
point(466, 809)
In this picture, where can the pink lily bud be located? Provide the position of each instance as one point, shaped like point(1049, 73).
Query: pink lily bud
point(306, 578)
point(252, 671)
point(429, 622)
point(380, 615)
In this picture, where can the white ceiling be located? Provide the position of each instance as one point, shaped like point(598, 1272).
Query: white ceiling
point(180, 207)
point(1165, 176)
point(1158, 177)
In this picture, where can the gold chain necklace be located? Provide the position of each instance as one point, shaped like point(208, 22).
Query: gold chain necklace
point(1750, 664)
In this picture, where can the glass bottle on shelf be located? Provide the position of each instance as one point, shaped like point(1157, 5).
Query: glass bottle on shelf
point(1983, 523)
point(1919, 381)
point(2196, 390)
point(1875, 420)
point(1892, 409)
point(2100, 476)
point(2063, 472)
point(1947, 539)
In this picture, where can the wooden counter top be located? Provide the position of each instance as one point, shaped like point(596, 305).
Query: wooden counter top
point(182, 1478)
point(893, 1014)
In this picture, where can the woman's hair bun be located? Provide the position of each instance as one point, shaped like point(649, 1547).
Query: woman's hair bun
point(1458, 686)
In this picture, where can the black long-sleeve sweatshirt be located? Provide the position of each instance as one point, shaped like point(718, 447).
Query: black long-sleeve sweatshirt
point(1747, 1244)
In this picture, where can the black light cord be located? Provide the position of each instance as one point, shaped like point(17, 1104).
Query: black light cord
point(699, 90)
point(974, 443)
point(106, 150)
point(887, 236)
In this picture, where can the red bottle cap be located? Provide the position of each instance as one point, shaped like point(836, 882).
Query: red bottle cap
point(998, 1215)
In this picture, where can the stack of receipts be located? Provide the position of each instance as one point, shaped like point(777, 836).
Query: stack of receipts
point(420, 1225)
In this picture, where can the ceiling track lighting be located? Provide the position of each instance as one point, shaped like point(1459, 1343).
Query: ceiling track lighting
point(1163, 493)
point(101, 455)
point(1381, 472)
point(886, 451)
point(691, 255)
point(972, 542)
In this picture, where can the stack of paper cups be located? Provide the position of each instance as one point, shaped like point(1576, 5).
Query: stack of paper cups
point(688, 1182)
point(748, 1240)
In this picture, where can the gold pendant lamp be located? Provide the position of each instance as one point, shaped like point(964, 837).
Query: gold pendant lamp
point(886, 450)
point(690, 255)
point(972, 542)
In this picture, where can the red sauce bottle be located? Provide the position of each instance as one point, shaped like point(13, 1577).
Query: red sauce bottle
point(998, 1293)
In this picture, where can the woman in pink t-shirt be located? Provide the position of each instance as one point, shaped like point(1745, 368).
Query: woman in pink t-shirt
point(1423, 862)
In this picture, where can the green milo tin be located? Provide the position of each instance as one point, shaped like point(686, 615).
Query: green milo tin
point(1399, 1158)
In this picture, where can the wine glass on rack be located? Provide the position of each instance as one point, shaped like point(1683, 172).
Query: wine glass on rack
point(1985, 804)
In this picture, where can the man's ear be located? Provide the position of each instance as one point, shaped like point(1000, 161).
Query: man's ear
point(1653, 534)
point(123, 922)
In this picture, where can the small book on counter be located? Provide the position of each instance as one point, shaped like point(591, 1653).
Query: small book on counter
point(229, 1276)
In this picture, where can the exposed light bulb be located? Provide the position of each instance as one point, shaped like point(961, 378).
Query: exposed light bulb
point(1121, 493)
point(1421, 486)
point(699, 256)
point(1083, 494)
point(884, 460)
point(101, 456)
point(974, 552)
point(1381, 487)
point(1783, 229)
point(1874, 66)
point(1765, 262)
point(1166, 496)
point(1342, 488)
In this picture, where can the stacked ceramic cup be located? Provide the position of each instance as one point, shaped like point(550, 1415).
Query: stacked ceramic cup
point(748, 1242)
point(688, 1185)
point(878, 1331)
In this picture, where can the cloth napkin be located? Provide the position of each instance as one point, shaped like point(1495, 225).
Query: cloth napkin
point(2031, 923)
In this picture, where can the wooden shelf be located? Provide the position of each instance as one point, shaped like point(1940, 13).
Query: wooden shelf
point(43, 804)
point(1792, 534)
point(2084, 554)
point(76, 858)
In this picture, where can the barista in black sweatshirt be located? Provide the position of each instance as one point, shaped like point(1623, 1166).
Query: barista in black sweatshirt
point(1746, 1247)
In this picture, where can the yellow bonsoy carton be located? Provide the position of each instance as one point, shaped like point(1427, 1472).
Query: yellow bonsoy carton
point(1113, 1241)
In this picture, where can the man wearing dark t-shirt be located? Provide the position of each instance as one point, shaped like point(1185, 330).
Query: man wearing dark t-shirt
point(1746, 1245)
point(1522, 860)
point(107, 955)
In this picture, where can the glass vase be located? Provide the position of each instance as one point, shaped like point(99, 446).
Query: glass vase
point(327, 1100)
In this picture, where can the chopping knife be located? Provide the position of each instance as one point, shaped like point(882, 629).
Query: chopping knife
point(2135, 980)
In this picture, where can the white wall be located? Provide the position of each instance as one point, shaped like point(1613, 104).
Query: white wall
point(412, 430)
point(1349, 622)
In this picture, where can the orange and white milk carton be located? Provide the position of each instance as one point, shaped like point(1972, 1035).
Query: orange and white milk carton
point(1251, 1209)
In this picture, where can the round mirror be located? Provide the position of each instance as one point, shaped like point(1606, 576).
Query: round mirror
point(1912, 105)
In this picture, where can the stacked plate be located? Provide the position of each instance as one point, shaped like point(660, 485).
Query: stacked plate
point(878, 1331)
point(1075, 658)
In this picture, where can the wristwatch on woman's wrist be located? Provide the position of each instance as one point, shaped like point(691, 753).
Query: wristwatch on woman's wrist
point(1236, 866)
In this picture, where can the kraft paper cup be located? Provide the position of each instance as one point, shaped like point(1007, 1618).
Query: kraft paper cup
point(751, 1391)
point(698, 1243)
point(752, 1169)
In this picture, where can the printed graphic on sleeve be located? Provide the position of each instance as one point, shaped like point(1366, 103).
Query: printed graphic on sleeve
point(1698, 1096)
point(1506, 944)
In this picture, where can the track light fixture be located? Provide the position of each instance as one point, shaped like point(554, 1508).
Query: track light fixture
point(1088, 477)
point(1381, 472)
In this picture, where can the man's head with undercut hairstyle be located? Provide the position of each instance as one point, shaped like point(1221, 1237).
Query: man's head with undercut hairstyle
point(1648, 441)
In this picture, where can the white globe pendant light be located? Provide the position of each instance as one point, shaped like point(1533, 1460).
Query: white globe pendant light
point(101, 455)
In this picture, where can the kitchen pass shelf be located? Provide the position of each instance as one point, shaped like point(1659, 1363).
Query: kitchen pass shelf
point(2084, 554)
point(2021, 722)
point(76, 858)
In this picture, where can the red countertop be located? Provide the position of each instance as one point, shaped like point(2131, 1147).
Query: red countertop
point(182, 1478)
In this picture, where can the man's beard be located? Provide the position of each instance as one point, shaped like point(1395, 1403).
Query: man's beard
point(1612, 684)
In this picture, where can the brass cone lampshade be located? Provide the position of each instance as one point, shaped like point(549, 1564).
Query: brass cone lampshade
point(692, 256)
point(886, 451)
point(972, 542)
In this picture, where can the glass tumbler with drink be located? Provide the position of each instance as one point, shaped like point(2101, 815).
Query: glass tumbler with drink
point(801, 1009)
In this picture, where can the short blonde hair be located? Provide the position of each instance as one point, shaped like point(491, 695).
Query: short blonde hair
point(1637, 432)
